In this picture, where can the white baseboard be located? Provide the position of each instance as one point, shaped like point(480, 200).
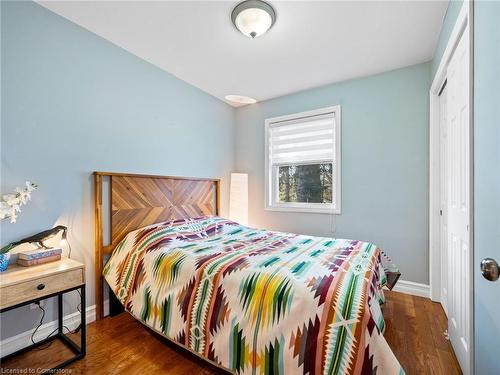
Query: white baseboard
point(415, 289)
point(71, 321)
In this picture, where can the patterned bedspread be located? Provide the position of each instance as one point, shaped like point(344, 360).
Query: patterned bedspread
point(254, 301)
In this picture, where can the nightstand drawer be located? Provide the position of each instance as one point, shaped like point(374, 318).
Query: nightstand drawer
point(13, 294)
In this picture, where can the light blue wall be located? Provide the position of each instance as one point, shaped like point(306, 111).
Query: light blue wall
point(486, 183)
point(384, 163)
point(73, 103)
point(450, 18)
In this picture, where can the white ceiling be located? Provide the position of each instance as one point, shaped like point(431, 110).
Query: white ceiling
point(311, 44)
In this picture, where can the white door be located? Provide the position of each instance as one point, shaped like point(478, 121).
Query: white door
point(443, 198)
point(459, 315)
point(487, 188)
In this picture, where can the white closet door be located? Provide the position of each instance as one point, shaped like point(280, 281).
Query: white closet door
point(459, 202)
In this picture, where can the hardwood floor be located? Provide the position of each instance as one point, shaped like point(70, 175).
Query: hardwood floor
point(120, 345)
point(415, 329)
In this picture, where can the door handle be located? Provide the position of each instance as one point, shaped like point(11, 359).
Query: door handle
point(490, 269)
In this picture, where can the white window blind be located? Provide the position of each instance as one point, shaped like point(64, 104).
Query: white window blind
point(303, 140)
point(303, 161)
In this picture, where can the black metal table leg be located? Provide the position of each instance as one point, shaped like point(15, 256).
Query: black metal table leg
point(60, 313)
point(83, 335)
point(79, 351)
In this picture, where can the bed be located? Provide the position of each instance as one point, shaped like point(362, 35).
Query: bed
point(248, 300)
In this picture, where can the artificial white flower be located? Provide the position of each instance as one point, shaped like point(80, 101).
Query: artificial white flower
point(21, 194)
point(30, 186)
point(11, 203)
point(13, 214)
point(4, 210)
point(11, 199)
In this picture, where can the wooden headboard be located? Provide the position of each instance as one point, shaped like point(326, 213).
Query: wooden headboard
point(137, 200)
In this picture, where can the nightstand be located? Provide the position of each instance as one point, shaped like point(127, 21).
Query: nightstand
point(20, 286)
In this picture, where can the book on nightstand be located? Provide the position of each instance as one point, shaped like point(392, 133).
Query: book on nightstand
point(39, 253)
point(34, 262)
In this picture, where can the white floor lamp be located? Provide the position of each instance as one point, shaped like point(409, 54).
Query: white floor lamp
point(238, 199)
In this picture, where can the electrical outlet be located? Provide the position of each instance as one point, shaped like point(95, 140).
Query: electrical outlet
point(34, 306)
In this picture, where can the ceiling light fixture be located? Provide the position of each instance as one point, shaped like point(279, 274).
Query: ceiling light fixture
point(240, 99)
point(253, 17)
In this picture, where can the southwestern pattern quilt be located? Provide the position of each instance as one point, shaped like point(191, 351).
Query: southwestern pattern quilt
point(256, 301)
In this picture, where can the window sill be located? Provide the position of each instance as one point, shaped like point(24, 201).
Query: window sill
point(310, 210)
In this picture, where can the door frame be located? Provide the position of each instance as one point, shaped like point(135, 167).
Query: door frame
point(464, 20)
point(443, 212)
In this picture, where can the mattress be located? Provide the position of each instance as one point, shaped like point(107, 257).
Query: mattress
point(257, 301)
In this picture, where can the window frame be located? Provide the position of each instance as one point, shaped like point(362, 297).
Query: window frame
point(271, 177)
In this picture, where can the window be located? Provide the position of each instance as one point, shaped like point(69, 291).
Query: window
point(303, 162)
